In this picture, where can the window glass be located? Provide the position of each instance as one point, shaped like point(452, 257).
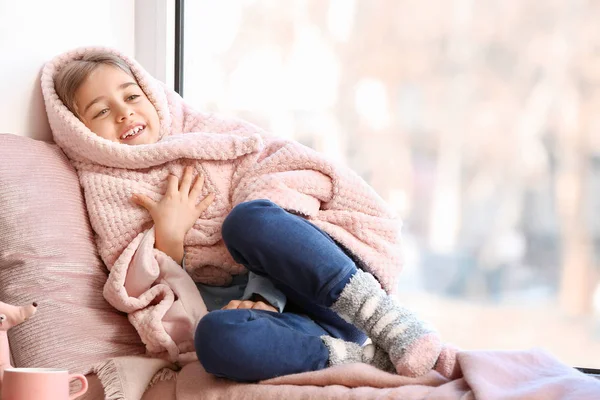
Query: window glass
point(477, 120)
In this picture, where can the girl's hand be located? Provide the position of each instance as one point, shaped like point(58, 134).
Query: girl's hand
point(248, 304)
point(175, 214)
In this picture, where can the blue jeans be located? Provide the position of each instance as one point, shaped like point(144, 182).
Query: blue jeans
point(308, 267)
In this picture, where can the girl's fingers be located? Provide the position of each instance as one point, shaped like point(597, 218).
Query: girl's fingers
point(233, 305)
point(144, 201)
point(203, 205)
point(172, 185)
point(197, 188)
point(246, 304)
point(186, 180)
point(259, 305)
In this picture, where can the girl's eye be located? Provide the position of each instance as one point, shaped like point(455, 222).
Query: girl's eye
point(102, 112)
point(133, 97)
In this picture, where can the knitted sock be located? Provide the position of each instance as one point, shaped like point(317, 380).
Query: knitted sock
point(413, 347)
point(342, 352)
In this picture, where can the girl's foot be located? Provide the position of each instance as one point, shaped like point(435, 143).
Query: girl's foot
point(342, 352)
point(413, 347)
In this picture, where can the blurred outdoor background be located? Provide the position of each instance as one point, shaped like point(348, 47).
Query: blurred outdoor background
point(479, 121)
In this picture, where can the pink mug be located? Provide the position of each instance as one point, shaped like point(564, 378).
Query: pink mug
point(39, 384)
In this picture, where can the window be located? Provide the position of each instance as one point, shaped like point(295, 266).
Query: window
point(477, 120)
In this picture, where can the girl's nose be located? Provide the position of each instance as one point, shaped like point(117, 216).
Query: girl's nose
point(126, 114)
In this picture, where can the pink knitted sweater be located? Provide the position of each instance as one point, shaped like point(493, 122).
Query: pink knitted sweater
point(240, 163)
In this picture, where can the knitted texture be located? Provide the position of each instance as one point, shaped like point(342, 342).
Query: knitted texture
point(240, 163)
point(413, 347)
point(343, 352)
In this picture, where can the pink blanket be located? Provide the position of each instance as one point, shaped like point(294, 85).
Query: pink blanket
point(488, 375)
point(239, 163)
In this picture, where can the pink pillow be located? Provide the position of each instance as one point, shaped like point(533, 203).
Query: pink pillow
point(48, 255)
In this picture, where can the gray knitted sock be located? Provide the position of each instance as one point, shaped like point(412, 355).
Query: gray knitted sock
point(342, 352)
point(413, 347)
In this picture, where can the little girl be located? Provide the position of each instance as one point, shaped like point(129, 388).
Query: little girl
point(317, 248)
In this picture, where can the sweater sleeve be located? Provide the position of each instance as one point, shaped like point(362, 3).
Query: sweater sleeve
point(288, 174)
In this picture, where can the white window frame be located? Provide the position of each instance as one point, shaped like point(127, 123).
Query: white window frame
point(155, 38)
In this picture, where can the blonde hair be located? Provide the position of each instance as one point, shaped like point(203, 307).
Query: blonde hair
point(72, 75)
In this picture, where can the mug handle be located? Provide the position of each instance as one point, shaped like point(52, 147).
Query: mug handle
point(84, 385)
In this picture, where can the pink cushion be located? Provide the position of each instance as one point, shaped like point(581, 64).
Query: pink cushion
point(47, 255)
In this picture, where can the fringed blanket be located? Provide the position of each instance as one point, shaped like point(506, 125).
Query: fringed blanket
point(239, 163)
point(487, 375)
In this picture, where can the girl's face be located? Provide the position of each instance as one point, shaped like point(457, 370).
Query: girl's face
point(112, 105)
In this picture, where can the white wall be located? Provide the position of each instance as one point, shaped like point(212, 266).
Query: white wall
point(32, 32)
